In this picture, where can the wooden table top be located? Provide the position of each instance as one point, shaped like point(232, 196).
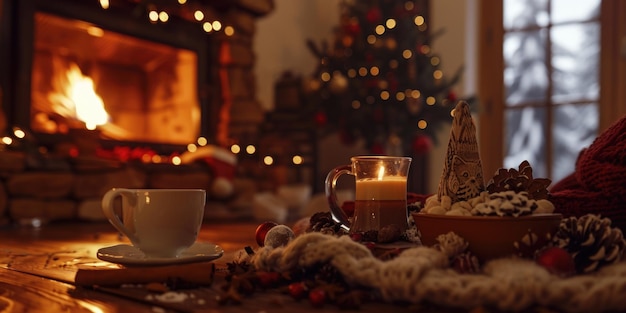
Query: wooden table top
point(38, 268)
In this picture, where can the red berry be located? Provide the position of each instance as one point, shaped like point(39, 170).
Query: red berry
point(297, 290)
point(370, 245)
point(317, 297)
point(356, 237)
point(267, 279)
point(261, 231)
point(557, 261)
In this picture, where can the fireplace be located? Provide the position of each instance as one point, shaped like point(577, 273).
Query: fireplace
point(112, 75)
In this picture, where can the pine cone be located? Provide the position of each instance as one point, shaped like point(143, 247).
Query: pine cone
point(591, 240)
point(518, 181)
point(323, 222)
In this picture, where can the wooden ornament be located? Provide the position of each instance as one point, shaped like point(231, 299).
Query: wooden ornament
point(462, 176)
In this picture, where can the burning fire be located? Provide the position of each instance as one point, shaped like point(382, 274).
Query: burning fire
point(79, 99)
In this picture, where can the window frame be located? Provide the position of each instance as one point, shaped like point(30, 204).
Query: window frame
point(491, 93)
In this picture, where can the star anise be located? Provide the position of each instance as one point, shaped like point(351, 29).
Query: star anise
point(519, 180)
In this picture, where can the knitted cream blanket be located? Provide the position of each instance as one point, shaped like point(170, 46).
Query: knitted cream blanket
point(422, 274)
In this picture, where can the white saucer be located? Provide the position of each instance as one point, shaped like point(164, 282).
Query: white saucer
point(130, 255)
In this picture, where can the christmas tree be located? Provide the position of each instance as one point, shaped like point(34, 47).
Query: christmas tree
point(379, 80)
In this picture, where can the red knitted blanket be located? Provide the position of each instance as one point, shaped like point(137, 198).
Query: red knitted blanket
point(598, 184)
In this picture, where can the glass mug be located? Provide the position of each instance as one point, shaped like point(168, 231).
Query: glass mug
point(380, 192)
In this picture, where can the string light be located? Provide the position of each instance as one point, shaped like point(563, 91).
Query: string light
point(297, 160)
point(202, 141)
point(438, 74)
point(192, 148)
point(374, 71)
point(7, 140)
point(229, 30)
point(380, 29)
point(104, 4)
point(163, 16)
point(391, 23)
point(19, 133)
point(250, 149)
point(384, 95)
point(419, 20)
point(176, 160)
point(217, 25)
point(422, 124)
point(407, 54)
point(207, 27)
point(431, 100)
point(371, 39)
point(235, 148)
point(268, 160)
point(198, 15)
point(153, 16)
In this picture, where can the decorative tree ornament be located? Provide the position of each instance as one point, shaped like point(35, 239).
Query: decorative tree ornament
point(374, 15)
point(422, 144)
point(462, 176)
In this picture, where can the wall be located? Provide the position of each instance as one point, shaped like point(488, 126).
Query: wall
point(280, 45)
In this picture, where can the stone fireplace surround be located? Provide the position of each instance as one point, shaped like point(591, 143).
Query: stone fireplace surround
point(49, 187)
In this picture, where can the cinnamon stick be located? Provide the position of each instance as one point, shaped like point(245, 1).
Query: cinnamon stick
point(195, 273)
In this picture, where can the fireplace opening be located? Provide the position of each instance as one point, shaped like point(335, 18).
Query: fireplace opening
point(108, 72)
point(128, 88)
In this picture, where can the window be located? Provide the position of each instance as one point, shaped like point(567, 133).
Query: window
point(545, 81)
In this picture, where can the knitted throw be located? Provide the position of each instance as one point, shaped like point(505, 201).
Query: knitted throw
point(422, 274)
point(598, 184)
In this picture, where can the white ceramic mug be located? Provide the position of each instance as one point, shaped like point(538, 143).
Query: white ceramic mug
point(159, 222)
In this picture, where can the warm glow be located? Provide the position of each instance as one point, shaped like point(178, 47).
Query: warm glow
point(198, 15)
point(229, 30)
point(7, 140)
point(407, 54)
point(192, 148)
point(391, 23)
point(217, 25)
point(384, 95)
point(250, 149)
point(374, 70)
point(182, 1)
point(163, 16)
point(19, 133)
point(176, 160)
point(422, 124)
point(79, 99)
point(431, 100)
point(297, 159)
point(268, 160)
point(95, 31)
point(325, 77)
point(207, 27)
point(202, 141)
point(153, 16)
point(400, 96)
point(104, 4)
point(419, 20)
point(235, 149)
point(380, 29)
point(381, 172)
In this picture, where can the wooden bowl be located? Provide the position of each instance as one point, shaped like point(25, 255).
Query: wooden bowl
point(489, 237)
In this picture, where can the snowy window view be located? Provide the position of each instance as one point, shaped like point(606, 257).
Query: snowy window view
point(551, 53)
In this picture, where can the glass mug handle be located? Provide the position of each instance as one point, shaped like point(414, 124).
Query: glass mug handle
point(108, 209)
point(331, 195)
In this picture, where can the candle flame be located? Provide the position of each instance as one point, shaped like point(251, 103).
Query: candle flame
point(381, 172)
